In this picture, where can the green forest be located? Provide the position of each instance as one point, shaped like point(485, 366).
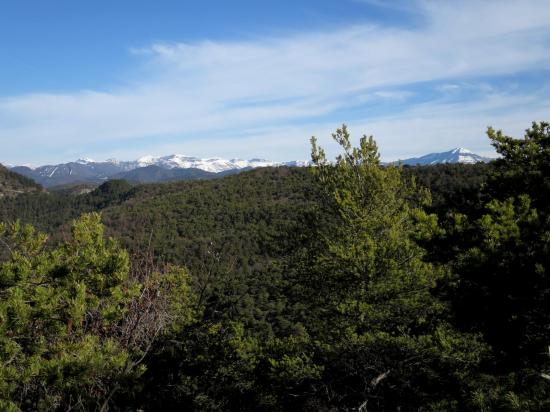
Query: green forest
point(350, 285)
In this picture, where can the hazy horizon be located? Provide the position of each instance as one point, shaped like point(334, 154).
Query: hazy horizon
point(141, 158)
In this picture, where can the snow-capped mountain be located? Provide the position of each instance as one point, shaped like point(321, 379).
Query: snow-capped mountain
point(457, 155)
point(85, 161)
point(214, 164)
point(89, 170)
point(79, 171)
point(178, 167)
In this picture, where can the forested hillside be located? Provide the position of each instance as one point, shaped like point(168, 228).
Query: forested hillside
point(13, 184)
point(347, 286)
point(452, 186)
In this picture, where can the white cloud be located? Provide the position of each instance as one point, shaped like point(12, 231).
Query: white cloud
point(207, 92)
point(434, 126)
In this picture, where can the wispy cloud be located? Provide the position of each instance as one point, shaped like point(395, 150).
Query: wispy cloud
point(195, 96)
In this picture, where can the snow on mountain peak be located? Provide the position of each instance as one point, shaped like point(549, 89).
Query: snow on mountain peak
point(85, 161)
point(147, 159)
point(457, 155)
point(211, 164)
point(461, 150)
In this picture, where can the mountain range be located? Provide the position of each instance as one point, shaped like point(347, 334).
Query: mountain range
point(457, 155)
point(179, 167)
point(144, 169)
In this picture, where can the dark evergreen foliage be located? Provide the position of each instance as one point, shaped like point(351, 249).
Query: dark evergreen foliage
point(339, 287)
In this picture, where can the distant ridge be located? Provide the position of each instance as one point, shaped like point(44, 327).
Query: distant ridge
point(153, 173)
point(181, 167)
point(12, 183)
point(144, 169)
point(457, 155)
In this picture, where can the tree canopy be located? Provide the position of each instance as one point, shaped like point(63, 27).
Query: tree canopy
point(348, 285)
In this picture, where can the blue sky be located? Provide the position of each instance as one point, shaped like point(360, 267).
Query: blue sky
point(123, 79)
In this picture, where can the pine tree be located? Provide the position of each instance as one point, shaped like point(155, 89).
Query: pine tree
point(382, 335)
point(75, 325)
point(502, 268)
